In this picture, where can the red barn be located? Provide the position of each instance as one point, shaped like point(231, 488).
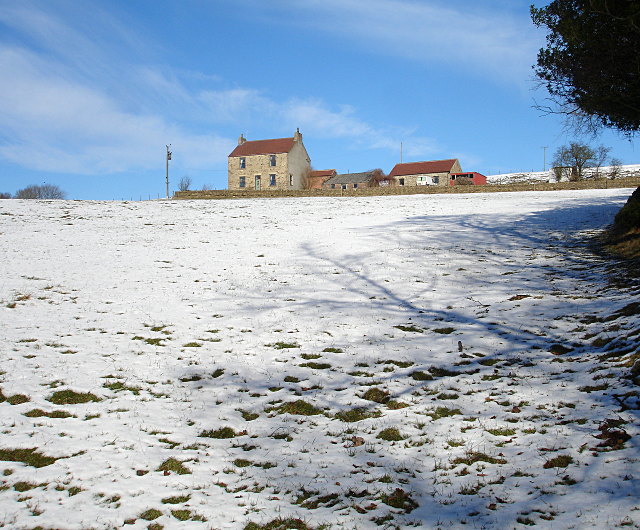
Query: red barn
point(471, 177)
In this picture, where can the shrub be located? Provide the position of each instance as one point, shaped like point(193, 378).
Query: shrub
point(45, 191)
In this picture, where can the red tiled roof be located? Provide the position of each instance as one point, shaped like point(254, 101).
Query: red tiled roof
point(421, 168)
point(264, 147)
point(322, 173)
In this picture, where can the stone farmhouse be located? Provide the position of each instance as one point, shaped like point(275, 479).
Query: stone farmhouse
point(284, 164)
point(277, 164)
point(432, 173)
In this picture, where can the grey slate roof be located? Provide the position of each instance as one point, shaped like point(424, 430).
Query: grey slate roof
point(350, 178)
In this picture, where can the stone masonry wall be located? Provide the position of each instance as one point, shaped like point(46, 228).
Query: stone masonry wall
point(408, 190)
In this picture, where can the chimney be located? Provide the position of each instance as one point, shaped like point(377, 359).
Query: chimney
point(298, 136)
point(242, 139)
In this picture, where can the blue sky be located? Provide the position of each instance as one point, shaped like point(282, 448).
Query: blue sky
point(92, 91)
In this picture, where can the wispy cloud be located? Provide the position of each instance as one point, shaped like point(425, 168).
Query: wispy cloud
point(472, 37)
point(68, 105)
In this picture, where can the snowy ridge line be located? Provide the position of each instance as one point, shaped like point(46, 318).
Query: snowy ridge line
point(631, 170)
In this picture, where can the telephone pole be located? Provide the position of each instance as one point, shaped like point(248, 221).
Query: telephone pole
point(168, 158)
point(544, 147)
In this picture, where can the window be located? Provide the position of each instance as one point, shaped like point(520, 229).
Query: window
point(272, 160)
point(333, 186)
point(243, 162)
point(453, 177)
point(401, 182)
point(355, 185)
point(344, 186)
point(242, 182)
point(272, 179)
point(290, 180)
point(257, 182)
point(436, 180)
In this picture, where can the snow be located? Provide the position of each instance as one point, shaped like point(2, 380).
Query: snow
point(182, 317)
point(629, 170)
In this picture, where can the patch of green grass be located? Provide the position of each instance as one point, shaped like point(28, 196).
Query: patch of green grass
point(291, 379)
point(593, 388)
point(443, 412)
point(24, 486)
point(377, 395)
point(419, 375)
point(178, 499)
point(30, 457)
point(333, 350)
point(357, 414)
point(310, 356)
point(558, 461)
point(221, 433)
point(327, 501)
point(471, 457)
point(397, 405)
point(289, 523)
point(444, 395)
point(503, 431)
point(283, 345)
point(242, 462)
point(38, 413)
point(248, 416)
point(150, 514)
point(399, 499)
point(488, 362)
point(392, 434)
point(299, 408)
point(217, 373)
point(192, 345)
point(119, 386)
point(444, 331)
point(442, 372)
point(190, 378)
point(18, 399)
point(410, 328)
point(71, 397)
point(174, 465)
point(316, 366)
point(399, 364)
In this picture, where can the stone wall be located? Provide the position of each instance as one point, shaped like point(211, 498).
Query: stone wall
point(407, 190)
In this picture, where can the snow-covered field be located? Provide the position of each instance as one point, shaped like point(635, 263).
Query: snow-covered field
point(440, 361)
point(630, 170)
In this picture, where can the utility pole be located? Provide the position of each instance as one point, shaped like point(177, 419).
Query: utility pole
point(544, 147)
point(168, 158)
point(401, 152)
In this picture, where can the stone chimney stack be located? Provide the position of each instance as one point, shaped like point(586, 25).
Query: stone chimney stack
point(242, 139)
point(298, 136)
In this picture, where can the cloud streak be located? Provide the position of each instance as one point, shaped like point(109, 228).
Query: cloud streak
point(66, 105)
point(475, 39)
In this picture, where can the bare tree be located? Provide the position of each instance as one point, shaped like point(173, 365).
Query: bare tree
point(615, 168)
point(575, 156)
point(45, 191)
point(602, 153)
point(379, 179)
point(5, 195)
point(205, 187)
point(185, 183)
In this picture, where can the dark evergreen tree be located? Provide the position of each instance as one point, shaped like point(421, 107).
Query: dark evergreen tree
point(591, 64)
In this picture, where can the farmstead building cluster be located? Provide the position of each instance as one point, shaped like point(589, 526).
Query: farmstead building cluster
point(284, 164)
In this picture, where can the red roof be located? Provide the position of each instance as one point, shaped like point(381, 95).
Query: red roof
point(264, 147)
point(422, 168)
point(322, 173)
